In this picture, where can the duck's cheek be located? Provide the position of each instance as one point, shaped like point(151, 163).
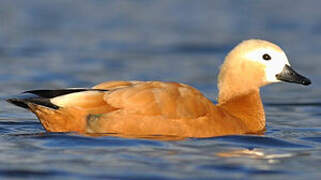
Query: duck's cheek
point(271, 70)
point(270, 77)
point(255, 75)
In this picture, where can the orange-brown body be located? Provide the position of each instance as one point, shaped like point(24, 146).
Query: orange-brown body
point(137, 108)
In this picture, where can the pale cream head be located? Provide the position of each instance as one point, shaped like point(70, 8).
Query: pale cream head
point(250, 65)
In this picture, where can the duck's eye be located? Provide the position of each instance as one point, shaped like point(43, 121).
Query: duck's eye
point(266, 57)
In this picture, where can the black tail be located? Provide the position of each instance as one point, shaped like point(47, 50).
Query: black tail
point(42, 97)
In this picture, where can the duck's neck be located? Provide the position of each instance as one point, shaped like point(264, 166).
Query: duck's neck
point(248, 108)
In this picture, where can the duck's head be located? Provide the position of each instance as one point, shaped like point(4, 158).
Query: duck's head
point(255, 63)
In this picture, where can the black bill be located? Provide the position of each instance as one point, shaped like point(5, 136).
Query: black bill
point(289, 75)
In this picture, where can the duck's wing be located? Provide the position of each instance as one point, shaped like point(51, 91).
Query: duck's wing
point(155, 98)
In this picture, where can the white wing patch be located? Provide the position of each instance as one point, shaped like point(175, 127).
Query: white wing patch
point(78, 98)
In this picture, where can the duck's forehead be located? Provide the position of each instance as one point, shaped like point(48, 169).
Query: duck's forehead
point(255, 45)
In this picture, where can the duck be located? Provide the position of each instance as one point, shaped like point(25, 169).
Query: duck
point(138, 108)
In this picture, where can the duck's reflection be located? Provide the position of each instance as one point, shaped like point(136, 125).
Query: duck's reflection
point(255, 154)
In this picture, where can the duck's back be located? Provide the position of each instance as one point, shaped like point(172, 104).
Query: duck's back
point(154, 98)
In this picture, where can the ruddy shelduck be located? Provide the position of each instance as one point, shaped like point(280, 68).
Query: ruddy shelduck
point(138, 108)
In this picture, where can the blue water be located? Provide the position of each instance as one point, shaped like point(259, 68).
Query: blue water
point(59, 44)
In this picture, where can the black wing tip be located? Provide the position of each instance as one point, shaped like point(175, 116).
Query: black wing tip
point(24, 100)
point(47, 93)
point(18, 102)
